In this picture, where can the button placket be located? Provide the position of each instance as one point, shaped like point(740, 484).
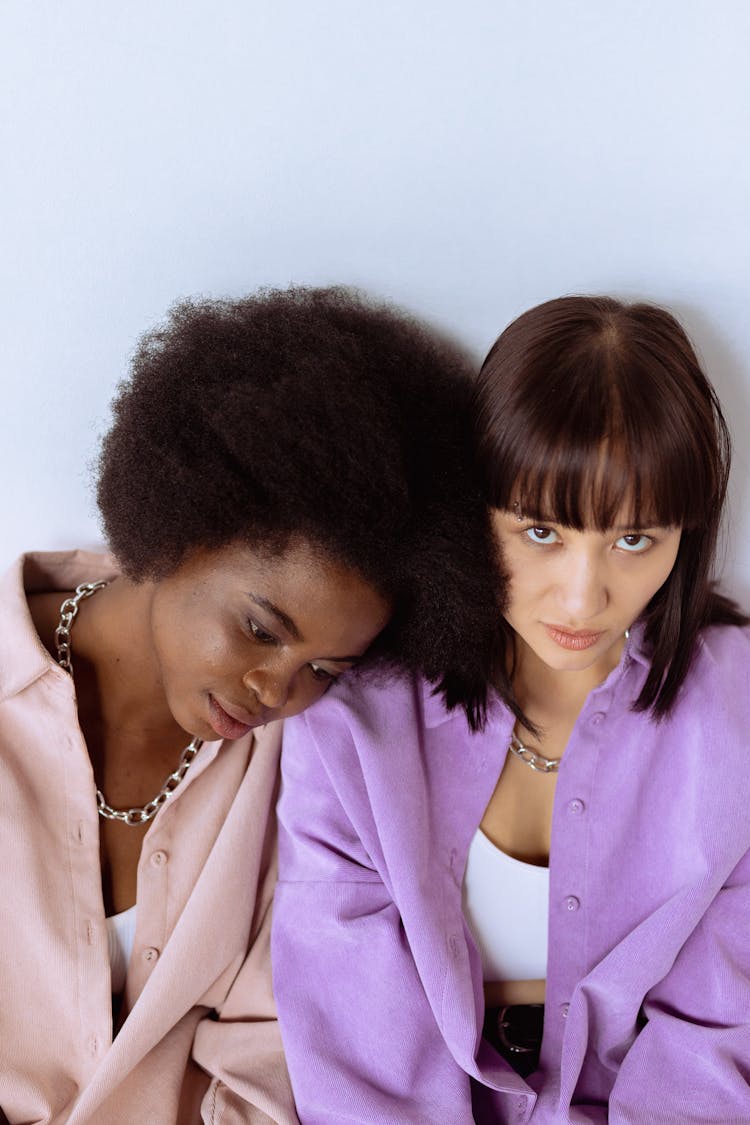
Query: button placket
point(153, 878)
point(568, 959)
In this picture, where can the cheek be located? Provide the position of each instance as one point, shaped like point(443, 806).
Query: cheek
point(657, 584)
point(524, 586)
point(667, 565)
point(518, 610)
point(643, 592)
point(215, 650)
point(198, 649)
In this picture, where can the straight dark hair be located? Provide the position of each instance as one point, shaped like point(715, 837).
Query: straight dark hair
point(585, 405)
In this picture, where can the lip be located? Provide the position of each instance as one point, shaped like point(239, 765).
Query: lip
point(230, 721)
point(575, 640)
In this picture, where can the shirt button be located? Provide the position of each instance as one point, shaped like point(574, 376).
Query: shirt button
point(597, 718)
point(150, 955)
point(158, 859)
point(576, 806)
point(564, 1008)
point(572, 903)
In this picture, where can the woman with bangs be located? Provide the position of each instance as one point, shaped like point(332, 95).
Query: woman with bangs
point(536, 911)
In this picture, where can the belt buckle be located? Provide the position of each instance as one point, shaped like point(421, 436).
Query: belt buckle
point(505, 1024)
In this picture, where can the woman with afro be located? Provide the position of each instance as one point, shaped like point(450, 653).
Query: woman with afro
point(286, 493)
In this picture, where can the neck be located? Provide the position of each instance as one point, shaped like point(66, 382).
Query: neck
point(115, 667)
point(553, 699)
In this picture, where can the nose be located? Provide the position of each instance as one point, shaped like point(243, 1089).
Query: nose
point(582, 589)
point(270, 687)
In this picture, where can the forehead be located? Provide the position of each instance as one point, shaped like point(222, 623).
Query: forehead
point(317, 600)
point(308, 578)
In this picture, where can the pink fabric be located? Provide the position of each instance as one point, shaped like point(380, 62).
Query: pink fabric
point(205, 884)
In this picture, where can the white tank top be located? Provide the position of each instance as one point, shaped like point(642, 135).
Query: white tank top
point(121, 936)
point(506, 904)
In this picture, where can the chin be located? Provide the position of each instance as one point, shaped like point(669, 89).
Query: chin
point(570, 661)
point(602, 656)
point(193, 726)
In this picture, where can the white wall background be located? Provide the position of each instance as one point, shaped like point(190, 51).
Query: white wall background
point(467, 159)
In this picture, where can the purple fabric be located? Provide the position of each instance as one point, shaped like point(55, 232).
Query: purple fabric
point(377, 978)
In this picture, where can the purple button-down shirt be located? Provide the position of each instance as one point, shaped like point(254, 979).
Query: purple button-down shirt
point(377, 977)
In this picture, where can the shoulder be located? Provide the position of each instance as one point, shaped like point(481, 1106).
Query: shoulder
point(722, 640)
point(388, 736)
point(375, 734)
point(371, 771)
point(713, 704)
point(338, 765)
point(722, 660)
point(374, 709)
point(23, 658)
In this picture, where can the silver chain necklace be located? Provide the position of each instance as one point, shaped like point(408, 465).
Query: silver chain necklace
point(68, 612)
point(532, 759)
point(535, 761)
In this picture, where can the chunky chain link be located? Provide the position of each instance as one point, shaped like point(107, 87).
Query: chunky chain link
point(536, 761)
point(68, 612)
point(144, 814)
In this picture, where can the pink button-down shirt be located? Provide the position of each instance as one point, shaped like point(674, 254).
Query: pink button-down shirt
point(199, 1041)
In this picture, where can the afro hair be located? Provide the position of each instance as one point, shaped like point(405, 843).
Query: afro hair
point(312, 414)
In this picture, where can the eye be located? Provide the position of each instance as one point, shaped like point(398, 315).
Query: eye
point(635, 542)
point(322, 674)
point(541, 535)
point(259, 633)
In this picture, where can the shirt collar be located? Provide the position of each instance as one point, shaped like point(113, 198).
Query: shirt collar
point(23, 657)
point(635, 646)
point(436, 713)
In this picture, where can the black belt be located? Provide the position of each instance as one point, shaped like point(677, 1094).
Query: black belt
point(515, 1032)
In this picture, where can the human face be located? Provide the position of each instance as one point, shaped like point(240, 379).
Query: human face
point(574, 593)
point(241, 638)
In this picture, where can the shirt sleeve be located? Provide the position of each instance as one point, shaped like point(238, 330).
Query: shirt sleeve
point(691, 1061)
point(362, 1042)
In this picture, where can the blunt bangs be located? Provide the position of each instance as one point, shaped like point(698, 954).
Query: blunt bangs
point(598, 435)
point(599, 486)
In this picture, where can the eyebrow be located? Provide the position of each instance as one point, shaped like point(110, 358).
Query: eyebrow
point(292, 629)
point(279, 614)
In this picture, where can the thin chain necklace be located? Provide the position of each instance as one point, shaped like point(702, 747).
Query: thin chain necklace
point(532, 759)
point(68, 612)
